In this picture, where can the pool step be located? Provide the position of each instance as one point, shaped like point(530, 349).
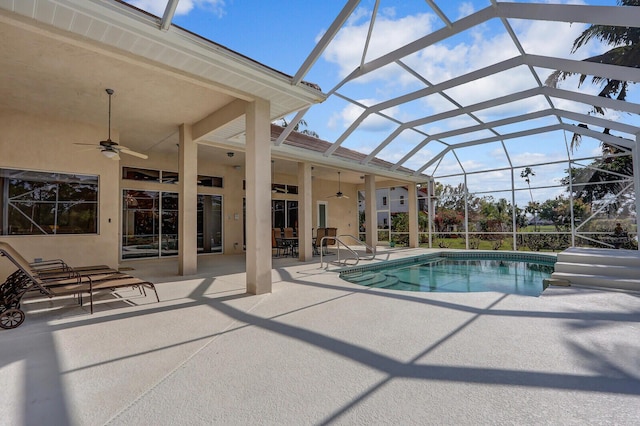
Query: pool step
point(594, 256)
point(384, 281)
point(557, 282)
point(599, 281)
point(372, 279)
point(599, 267)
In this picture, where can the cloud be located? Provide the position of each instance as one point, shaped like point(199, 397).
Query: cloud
point(482, 46)
point(388, 34)
point(373, 123)
point(157, 7)
point(477, 48)
point(465, 9)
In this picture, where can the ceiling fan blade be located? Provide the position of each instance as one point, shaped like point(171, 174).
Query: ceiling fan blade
point(125, 150)
point(93, 148)
point(87, 144)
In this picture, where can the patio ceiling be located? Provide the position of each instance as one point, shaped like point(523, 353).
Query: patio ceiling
point(57, 57)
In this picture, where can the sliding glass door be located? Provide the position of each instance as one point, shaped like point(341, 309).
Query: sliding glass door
point(150, 224)
point(209, 223)
point(140, 224)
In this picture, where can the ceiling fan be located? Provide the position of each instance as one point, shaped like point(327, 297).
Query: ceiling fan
point(109, 148)
point(338, 194)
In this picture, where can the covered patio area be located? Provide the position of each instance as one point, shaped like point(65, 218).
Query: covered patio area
point(318, 350)
point(242, 337)
point(214, 174)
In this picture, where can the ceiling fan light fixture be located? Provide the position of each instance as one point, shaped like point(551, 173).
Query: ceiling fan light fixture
point(109, 153)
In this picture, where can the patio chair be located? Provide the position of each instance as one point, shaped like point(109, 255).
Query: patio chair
point(56, 278)
point(331, 232)
point(277, 243)
point(320, 234)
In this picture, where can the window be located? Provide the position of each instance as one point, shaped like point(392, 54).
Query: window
point(322, 214)
point(402, 200)
point(147, 175)
point(150, 224)
point(384, 201)
point(278, 188)
point(169, 225)
point(284, 214)
point(210, 181)
point(281, 188)
point(209, 223)
point(43, 203)
point(292, 214)
point(166, 176)
point(140, 224)
point(169, 177)
point(292, 189)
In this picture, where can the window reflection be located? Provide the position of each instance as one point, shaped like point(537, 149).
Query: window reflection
point(150, 224)
point(40, 203)
point(140, 224)
point(209, 224)
point(284, 214)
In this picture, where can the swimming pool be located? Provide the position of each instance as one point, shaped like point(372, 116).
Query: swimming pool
point(450, 272)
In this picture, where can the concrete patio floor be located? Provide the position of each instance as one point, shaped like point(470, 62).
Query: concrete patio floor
point(318, 350)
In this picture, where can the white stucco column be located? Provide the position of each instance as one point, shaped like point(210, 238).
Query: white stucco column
point(635, 157)
point(258, 193)
point(187, 203)
point(412, 193)
point(305, 210)
point(370, 213)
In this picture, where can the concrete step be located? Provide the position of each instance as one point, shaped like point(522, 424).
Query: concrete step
point(594, 256)
point(616, 271)
point(556, 282)
point(599, 280)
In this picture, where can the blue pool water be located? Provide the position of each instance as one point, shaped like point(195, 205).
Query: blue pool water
point(450, 274)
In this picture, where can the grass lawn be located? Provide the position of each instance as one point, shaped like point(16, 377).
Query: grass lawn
point(459, 243)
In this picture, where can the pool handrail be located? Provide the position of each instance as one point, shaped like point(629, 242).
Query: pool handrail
point(340, 241)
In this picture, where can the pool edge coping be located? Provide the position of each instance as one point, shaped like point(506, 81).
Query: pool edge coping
point(458, 254)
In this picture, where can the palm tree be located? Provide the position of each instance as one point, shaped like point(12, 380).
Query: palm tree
point(625, 52)
point(302, 123)
point(526, 173)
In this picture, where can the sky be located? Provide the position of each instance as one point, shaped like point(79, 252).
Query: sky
point(281, 34)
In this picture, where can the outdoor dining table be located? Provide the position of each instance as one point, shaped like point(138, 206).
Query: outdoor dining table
point(292, 242)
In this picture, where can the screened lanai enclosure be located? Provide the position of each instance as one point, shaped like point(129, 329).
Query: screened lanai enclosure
point(515, 124)
point(594, 207)
point(518, 122)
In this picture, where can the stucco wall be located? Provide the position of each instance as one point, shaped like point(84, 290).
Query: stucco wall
point(342, 213)
point(41, 144)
